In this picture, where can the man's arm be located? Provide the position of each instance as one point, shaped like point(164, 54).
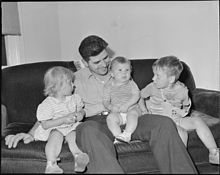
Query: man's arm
point(32, 130)
point(107, 100)
point(12, 140)
point(133, 100)
point(142, 106)
point(4, 119)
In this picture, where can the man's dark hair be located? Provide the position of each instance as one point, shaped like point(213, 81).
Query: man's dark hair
point(91, 46)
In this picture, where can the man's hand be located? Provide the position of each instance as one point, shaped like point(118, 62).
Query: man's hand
point(145, 111)
point(115, 108)
point(123, 108)
point(12, 140)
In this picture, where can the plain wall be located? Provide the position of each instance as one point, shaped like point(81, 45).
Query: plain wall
point(187, 29)
point(40, 35)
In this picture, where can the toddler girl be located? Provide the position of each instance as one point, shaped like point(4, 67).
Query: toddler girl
point(59, 114)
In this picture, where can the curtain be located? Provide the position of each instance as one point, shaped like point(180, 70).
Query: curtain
point(10, 18)
point(4, 60)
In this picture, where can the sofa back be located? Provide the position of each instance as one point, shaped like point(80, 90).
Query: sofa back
point(22, 85)
point(22, 89)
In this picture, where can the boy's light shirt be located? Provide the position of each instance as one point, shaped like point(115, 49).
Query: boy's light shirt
point(161, 104)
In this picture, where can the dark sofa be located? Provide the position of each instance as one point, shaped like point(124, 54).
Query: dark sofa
point(22, 91)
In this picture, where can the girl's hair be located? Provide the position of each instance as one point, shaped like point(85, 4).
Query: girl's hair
point(121, 60)
point(170, 64)
point(55, 77)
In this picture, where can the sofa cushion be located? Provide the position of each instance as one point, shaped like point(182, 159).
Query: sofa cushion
point(132, 147)
point(33, 151)
point(16, 127)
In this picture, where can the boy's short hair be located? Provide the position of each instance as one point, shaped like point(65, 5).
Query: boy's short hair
point(91, 46)
point(170, 64)
point(119, 59)
point(55, 77)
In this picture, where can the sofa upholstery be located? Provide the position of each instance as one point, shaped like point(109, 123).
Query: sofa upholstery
point(22, 91)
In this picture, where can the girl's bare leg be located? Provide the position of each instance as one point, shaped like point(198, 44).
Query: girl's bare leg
point(52, 150)
point(54, 145)
point(81, 159)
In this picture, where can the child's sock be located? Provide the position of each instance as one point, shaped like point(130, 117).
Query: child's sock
point(124, 137)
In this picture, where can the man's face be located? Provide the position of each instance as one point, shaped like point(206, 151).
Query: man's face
point(99, 64)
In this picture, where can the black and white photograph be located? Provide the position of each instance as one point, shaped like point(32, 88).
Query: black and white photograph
point(110, 87)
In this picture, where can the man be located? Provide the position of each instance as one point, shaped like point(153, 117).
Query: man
point(93, 136)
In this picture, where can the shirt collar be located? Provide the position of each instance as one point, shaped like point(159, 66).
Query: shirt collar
point(89, 74)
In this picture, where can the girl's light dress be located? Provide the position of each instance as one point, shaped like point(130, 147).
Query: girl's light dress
point(52, 108)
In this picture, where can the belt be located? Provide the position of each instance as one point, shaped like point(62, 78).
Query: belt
point(105, 113)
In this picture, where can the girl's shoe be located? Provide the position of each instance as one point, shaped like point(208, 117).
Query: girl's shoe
point(53, 168)
point(81, 161)
point(214, 157)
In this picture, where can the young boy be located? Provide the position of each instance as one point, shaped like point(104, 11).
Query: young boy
point(169, 97)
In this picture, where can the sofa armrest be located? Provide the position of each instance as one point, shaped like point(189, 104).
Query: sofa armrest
point(3, 119)
point(206, 101)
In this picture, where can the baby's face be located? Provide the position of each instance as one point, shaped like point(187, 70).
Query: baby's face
point(121, 72)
